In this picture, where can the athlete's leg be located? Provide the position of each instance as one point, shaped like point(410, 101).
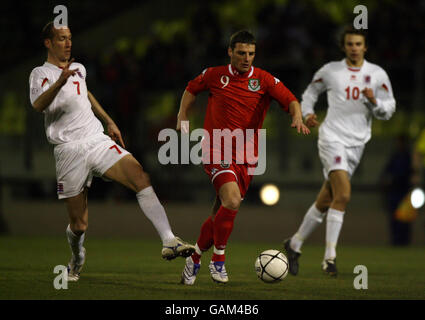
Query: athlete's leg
point(324, 198)
point(206, 236)
point(216, 206)
point(75, 232)
point(313, 217)
point(341, 191)
point(130, 173)
point(78, 212)
point(204, 243)
point(230, 198)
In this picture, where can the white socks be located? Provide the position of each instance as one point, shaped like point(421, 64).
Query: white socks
point(333, 227)
point(198, 250)
point(75, 242)
point(154, 211)
point(311, 220)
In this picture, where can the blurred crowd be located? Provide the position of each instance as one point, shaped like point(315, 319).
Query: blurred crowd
point(139, 78)
point(294, 39)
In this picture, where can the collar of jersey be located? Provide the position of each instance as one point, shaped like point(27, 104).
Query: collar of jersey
point(355, 69)
point(236, 73)
point(51, 65)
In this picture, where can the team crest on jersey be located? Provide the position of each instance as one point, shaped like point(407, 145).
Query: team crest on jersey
point(254, 84)
point(213, 171)
point(367, 79)
point(338, 159)
point(224, 164)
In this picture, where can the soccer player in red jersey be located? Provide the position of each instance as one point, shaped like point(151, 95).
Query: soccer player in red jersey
point(239, 97)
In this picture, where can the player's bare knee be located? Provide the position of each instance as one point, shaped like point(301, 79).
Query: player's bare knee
point(342, 199)
point(78, 227)
point(232, 202)
point(323, 206)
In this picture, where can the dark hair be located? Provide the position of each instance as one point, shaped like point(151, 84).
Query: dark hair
point(351, 30)
point(47, 32)
point(242, 36)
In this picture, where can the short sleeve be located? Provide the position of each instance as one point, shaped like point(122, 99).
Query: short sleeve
point(81, 70)
point(200, 83)
point(279, 91)
point(39, 82)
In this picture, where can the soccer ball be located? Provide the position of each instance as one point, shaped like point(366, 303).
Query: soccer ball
point(271, 266)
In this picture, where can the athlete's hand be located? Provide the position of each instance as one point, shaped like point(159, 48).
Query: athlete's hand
point(66, 73)
point(182, 127)
point(368, 93)
point(297, 122)
point(115, 134)
point(311, 120)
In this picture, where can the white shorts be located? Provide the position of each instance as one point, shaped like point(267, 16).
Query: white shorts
point(336, 156)
point(78, 161)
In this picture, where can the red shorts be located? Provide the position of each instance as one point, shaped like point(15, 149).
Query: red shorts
point(221, 174)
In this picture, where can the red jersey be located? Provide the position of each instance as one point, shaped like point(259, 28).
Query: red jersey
point(238, 101)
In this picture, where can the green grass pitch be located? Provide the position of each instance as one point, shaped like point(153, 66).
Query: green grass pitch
point(133, 269)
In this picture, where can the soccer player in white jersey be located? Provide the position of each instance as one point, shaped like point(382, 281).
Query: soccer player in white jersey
point(82, 150)
point(357, 91)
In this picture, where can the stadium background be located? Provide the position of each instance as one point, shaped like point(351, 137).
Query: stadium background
point(139, 57)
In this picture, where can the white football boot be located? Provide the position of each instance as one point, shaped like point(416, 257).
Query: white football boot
point(75, 265)
point(190, 271)
point(218, 271)
point(177, 248)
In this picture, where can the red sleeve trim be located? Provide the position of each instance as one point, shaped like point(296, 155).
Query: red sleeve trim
point(44, 82)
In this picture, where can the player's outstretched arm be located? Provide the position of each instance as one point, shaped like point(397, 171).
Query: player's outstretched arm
point(187, 101)
point(112, 128)
point(297, 119)
point(46, 98)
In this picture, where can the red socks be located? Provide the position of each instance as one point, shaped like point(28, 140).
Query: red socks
point(223, 226)
point(205, 240)
point(215, 232)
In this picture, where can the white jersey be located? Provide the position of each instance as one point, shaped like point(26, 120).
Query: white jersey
point(349, 116)
point(69, 117)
